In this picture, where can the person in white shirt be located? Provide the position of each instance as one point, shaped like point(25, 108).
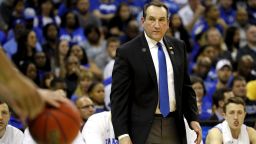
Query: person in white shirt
point(99, 129)
point(8, 133)
point(112, 44)
point(191, 13)
point(232, 130)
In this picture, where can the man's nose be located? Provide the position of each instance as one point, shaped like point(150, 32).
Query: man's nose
point(236, 116)
point(157, 25)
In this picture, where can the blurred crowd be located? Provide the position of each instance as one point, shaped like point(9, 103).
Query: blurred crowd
point(71, 45)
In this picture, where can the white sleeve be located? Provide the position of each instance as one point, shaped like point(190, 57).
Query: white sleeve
point(93, 131)
point(28, 138)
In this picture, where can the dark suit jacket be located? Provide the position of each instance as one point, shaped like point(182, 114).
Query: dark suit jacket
point(134, 94)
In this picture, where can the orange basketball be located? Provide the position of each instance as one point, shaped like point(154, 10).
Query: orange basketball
point(56, 125)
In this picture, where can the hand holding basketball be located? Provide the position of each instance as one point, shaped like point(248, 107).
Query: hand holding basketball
point(56, 125)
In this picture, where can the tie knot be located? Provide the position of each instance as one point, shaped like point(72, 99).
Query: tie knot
point(159, 44)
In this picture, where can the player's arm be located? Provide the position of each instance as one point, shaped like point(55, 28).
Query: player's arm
point(19, 92)
point(25, 98)
point(214, 136)
point(252, 135)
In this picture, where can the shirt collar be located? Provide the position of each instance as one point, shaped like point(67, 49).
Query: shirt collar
point(152, 43)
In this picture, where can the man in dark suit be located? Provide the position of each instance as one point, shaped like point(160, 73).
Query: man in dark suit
point(147, 70)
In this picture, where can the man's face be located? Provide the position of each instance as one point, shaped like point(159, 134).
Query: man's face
point(226, 3)
point(224, 74)
point(242, 16)
point(251, 34)
point(83, 5)
point(86, 107)
point(214, 37)
point(4, 116)
point(40, 59)
point(112, 46)
point(235, 115)
point(239, 88)
point(156, 22)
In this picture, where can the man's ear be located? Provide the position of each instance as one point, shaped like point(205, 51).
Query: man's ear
point(142, 20)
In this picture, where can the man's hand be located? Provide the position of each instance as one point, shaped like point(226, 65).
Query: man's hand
point(125, 140)
point(53, 98)
point(196, 127)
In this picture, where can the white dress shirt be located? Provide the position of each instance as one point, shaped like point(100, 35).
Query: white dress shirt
point(154, 53)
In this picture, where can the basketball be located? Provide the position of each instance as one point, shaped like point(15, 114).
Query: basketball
point(56, 125)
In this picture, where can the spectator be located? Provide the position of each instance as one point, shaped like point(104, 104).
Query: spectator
point(51, 36)
point(232, 39)
point(202, 67)
point(130, 32)
point(18, 9)
point(178, 30)
point(58, 83)
point(26, 47)
point(224, 75)
point(8, 133)
point(118, 23)
point(70, 28)
point(72, 74)
point(211, 19)
point(86, 108)
point(238, 86)
point(95, 44)
point(105, 11)
point(96, 93)
point(85, 80)
point(46, 80)
point(112, 45)
point(227, 12)
point(232, 130)
point(203, 103)
point(85, 17)
point(251, 8)
point(46, 14)
point(219, 98)
point(10, 47)
point(29, 69)
point(42, 63)
point(214, 38)
point(249, 49)
point(242, 23)
point(79, 52)
point(191, 13)
point(57, 63)
point(245, 68)
point(29, 18)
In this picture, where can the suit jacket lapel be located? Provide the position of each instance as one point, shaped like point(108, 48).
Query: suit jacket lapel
point(146, 55)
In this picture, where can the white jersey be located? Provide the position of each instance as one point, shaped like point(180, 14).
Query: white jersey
point(29, 140)
point(99, 129)
point(12, 135)
point(243, 137)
